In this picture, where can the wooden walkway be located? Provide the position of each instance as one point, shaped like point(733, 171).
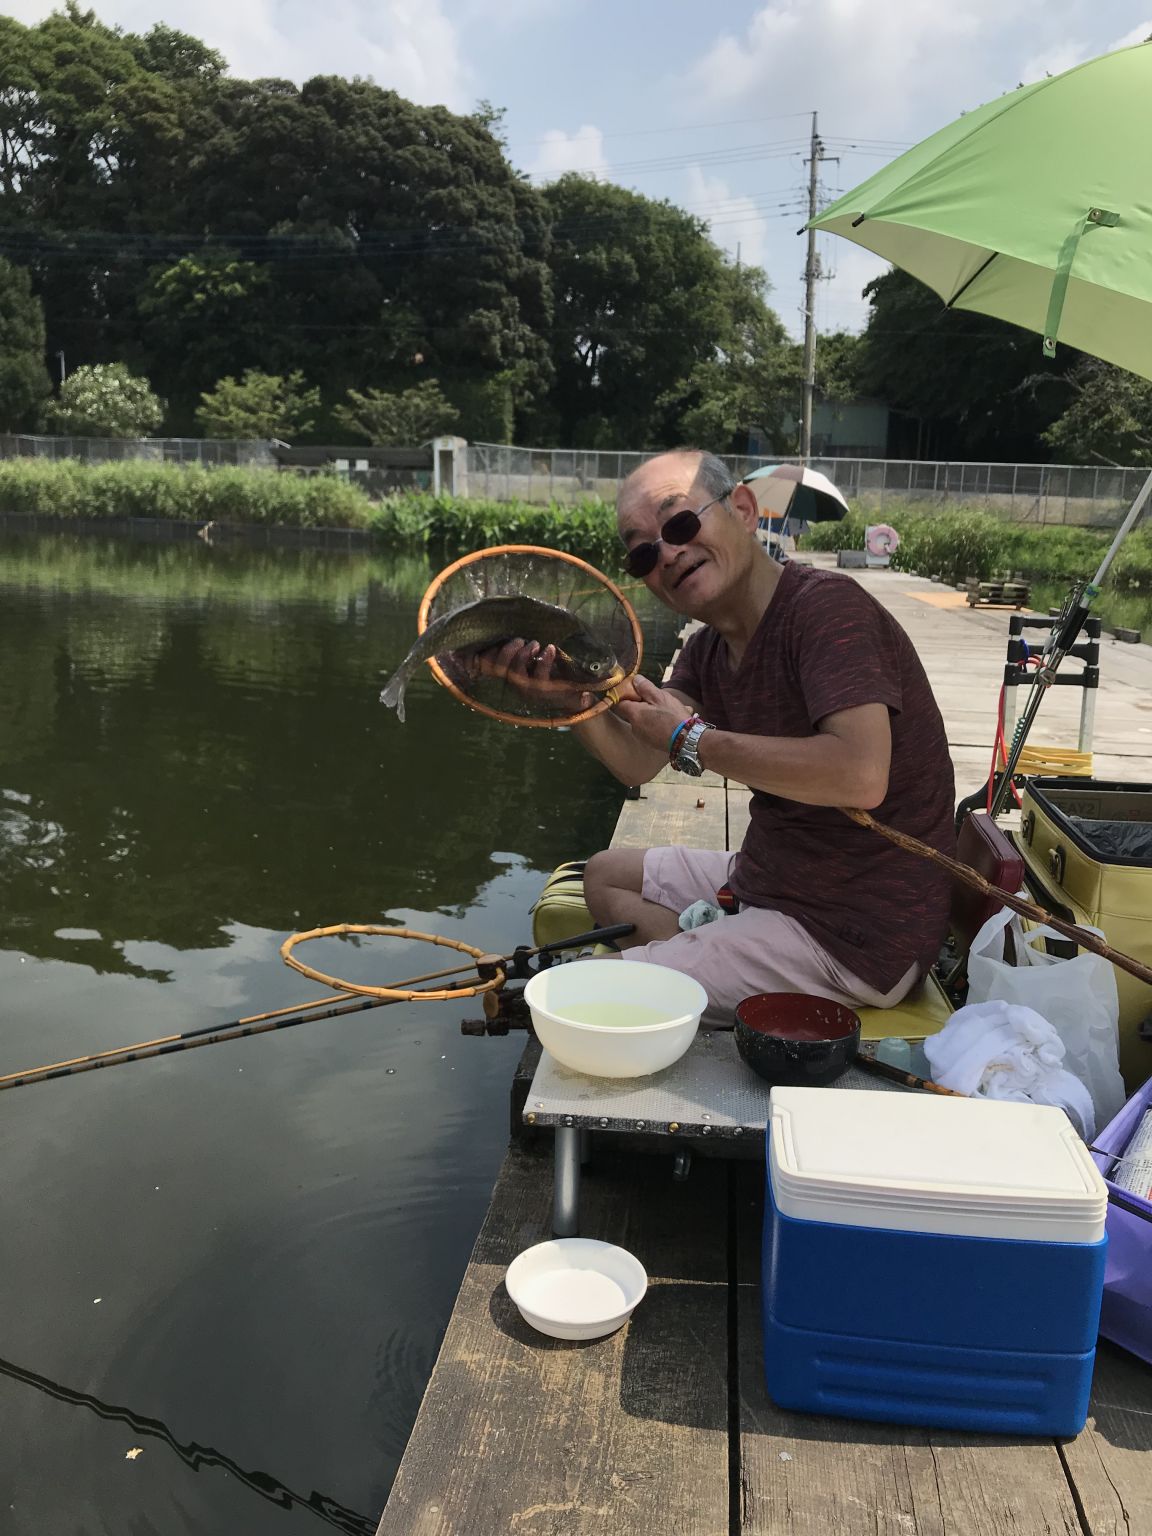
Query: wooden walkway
point(666, 1425)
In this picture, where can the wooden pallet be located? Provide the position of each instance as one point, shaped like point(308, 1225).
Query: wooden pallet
point(1000, 594)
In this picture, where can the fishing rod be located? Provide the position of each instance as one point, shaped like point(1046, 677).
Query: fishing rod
point(1084, 937)
point(1060, 643)
point(487, 967)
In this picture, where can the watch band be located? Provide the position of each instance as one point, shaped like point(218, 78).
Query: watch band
point(687, 759)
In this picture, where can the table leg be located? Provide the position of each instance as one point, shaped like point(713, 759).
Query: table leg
point(566, 1183)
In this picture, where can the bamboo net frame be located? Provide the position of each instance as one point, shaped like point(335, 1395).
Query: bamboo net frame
point(422, 620)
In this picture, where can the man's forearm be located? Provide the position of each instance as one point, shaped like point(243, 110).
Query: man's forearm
point(612, 742)
point(820, 769)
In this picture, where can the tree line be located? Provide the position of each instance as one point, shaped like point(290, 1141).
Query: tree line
point(185, 251)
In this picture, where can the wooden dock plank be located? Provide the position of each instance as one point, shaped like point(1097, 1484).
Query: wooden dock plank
point(1109, 1461)
point(521, 1434)
point(684, 813)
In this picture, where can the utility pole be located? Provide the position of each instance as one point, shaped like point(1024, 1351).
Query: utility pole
point(811, 274)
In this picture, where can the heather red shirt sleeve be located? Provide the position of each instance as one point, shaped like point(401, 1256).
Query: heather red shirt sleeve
point(847, 651)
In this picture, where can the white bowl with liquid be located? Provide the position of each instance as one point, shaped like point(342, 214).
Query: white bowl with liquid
point(615, 1018)
point(576, 1287)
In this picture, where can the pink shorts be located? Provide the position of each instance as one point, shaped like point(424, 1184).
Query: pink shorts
point(753, 950)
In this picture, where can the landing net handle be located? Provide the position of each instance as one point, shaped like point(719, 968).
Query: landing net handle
point(422, 621)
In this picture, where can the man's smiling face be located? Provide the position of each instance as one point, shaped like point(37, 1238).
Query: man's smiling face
point(691, 578)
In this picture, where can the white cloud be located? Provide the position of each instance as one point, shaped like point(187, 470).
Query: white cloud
point(734, 221)
point(1053, 61)
point(581, 151)
point(409, 46)
point(1138, 34)
point(877, 62)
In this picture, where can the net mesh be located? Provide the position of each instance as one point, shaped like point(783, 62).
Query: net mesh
point(601, 612)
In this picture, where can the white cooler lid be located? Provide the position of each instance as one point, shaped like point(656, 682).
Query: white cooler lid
point(924, 1163)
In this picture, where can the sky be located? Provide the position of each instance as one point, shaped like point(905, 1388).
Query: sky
point(709, 105)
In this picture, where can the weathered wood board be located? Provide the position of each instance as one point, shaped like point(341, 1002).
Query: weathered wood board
point(520, 1433)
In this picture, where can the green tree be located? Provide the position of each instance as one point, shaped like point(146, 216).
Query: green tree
point(965, 383)
point(1109, 417)
point(839, 355)
point(24, 384)
point(106, 400)
point(750, 382)
point(656, 337)
point(258, 405)
point(411, 417)
point(394, 232)
point(205, 317)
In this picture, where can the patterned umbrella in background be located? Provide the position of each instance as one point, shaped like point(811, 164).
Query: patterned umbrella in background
point(791, 496)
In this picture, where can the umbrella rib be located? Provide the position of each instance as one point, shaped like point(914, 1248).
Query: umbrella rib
point(964, 289)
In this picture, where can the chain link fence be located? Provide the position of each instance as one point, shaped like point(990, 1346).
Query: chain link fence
point(1072, 494)
point(154, 450)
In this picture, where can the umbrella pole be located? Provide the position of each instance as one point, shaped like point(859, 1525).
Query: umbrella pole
point(1061, 641)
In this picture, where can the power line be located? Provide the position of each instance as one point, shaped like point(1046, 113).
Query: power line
point(373, 246)
point(744, 154)
point(635, 133)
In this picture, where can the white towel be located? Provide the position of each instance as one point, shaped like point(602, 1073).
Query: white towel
point(1000, 1050)
point(699, 913)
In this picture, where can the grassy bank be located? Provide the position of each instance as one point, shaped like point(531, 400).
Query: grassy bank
point(65, 488)
point(955, 545)
point(412, 522)
point(952, 545)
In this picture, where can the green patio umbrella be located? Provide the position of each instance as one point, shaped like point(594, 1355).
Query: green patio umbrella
point(1037, 209)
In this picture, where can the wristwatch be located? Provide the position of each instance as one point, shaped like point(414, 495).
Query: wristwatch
point(687, 759)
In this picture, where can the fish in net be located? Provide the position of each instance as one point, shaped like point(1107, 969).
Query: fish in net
point(536, 595)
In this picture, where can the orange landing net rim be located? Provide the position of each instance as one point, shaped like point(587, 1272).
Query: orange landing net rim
point(552, 554)
point(400, 994)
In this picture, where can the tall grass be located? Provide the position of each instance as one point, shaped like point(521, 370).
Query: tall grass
point(443, 524)
point(956, 545)
point(66, 488)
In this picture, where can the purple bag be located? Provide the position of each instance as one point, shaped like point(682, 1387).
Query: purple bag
point(1126, 1313)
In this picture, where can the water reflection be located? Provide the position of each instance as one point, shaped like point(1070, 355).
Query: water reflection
point(260, 1241)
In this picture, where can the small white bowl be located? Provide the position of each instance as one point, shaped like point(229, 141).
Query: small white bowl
point(606, 1050)
point(576, 1287)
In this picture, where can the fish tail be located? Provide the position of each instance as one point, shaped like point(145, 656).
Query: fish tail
point(393, 695)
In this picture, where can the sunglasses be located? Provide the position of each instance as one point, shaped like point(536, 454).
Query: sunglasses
point(681, 528)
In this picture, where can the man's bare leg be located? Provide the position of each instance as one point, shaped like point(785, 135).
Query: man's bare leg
point(613, 881)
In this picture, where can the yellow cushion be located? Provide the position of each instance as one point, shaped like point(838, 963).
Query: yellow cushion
point(560, 913)
point(925, 1011)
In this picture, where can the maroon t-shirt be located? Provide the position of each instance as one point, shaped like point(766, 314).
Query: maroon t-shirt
point(823, 645)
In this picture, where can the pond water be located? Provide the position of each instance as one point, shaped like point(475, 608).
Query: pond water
point(226, 1272)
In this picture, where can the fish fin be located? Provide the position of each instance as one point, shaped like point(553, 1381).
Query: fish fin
point(393, 695)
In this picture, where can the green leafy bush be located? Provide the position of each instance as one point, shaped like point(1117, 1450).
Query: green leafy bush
point(105, 400)
point(446, 524)
point(69, 489)
point(956, 545)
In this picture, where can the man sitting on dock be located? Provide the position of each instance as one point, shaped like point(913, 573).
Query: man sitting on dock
point(802, 686)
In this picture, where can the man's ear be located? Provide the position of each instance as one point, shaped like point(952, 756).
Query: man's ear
point(743, 499)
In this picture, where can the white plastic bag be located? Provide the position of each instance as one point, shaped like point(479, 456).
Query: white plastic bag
point(1077, 997)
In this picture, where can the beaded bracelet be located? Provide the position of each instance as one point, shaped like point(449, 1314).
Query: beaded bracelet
point(677, 733)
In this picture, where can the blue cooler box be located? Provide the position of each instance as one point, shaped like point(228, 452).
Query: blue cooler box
point(931, 1261)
